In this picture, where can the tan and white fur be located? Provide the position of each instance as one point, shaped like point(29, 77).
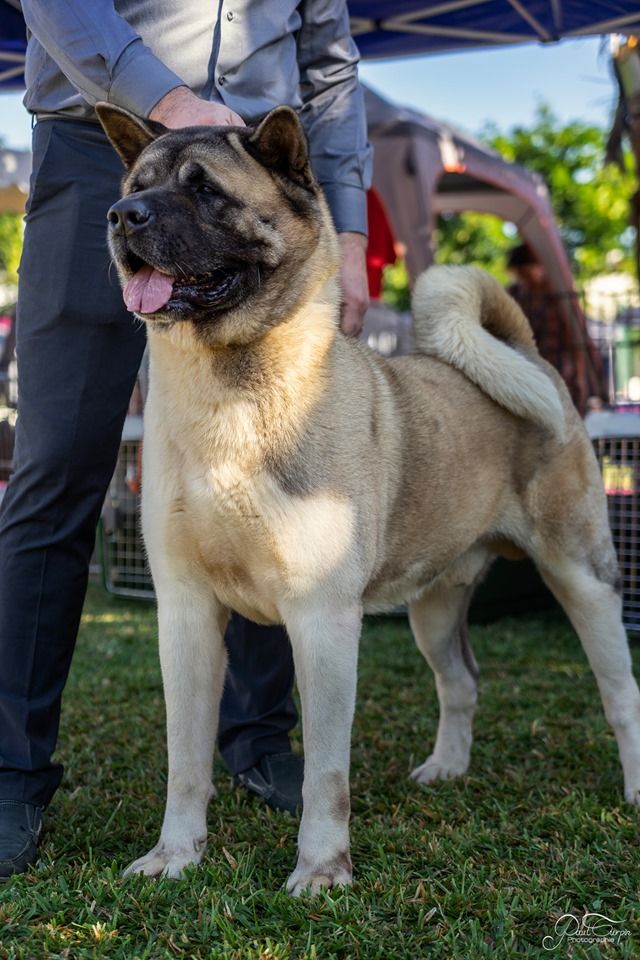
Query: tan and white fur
point(300, 479)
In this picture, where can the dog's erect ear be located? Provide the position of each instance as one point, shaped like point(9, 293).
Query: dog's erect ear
point(279, 143)
point(128, 134)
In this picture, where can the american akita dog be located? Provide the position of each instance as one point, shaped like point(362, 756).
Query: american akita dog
point(298, 478)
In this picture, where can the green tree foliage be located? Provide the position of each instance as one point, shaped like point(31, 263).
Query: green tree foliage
point(476, 240)
point(590, 201)
point(11, 230)
point(395, 285)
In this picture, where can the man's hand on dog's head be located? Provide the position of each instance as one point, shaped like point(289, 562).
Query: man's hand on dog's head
point(182, 108)
point(353, 279)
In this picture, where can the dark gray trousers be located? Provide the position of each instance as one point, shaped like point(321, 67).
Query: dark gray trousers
point(78, 355)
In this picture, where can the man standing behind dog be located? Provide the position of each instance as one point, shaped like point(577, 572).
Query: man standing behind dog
point(182, 63)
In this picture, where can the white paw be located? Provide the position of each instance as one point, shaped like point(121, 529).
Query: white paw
point(311, 879)
point(433, 769)
point(167, 860)
point(632, 795)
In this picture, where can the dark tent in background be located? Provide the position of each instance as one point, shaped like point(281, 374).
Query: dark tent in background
point(423, 167)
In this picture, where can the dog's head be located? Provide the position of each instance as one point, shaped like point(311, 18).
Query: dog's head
point(217, 226)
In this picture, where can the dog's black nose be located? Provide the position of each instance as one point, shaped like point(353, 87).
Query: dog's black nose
point(129, 214)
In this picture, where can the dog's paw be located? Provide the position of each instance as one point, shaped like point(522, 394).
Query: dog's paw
point(309, 880)
point(433, 769)
point(632, 795)
point(166, 860)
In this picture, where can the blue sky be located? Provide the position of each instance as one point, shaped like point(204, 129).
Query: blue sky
point(465, 89)
point(503, 85)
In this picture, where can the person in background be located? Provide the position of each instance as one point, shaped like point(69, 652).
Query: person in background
point(182, 63)
point(558, 326)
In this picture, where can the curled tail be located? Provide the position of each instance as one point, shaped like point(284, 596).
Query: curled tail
point(464, 317)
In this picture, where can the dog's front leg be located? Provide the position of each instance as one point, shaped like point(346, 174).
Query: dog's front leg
point(193, 659)
point(325, 650)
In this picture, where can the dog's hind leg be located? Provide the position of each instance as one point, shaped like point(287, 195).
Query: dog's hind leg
point(438, 622)
point(325, 651)
point(587, 590)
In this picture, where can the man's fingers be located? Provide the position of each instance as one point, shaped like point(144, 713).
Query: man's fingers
point(351, 321)
point(353, 280)
point(235, 120)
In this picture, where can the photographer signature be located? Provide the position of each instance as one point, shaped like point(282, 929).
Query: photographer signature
point(590, 928)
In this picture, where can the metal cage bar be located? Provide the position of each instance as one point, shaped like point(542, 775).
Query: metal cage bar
point(619, 459)
point(125, 571)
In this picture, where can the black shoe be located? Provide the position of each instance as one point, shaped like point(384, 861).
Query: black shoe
point(277, 778)
point(20, 825)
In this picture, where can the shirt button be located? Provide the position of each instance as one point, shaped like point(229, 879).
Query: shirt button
point(222, 81)
point(230, 15)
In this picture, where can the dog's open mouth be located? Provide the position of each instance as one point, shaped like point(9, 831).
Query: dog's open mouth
point(150, 290)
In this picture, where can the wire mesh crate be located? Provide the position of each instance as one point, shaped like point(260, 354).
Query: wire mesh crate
point(124, 566)
point(616, 439)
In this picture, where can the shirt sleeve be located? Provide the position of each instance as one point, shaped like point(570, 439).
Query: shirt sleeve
point(333, 111)
point(99, 53)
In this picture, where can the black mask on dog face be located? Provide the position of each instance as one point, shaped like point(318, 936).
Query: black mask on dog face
point(214, 221)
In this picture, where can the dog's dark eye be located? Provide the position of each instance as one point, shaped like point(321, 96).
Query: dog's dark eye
point(205, 188)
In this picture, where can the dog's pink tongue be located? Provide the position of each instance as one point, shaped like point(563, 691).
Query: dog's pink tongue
point(147, 291)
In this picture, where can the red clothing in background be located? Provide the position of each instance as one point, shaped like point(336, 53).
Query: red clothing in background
point(381, 249)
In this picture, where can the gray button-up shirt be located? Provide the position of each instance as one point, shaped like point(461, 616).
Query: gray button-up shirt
point(251, 55)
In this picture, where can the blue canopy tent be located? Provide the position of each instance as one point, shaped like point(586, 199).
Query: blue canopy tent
point(13, 44)
point(392, 28)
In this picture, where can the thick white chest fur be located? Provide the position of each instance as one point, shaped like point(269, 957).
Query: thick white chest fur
point(256, 545)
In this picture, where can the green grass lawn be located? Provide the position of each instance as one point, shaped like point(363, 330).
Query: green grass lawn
point(479, 867)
